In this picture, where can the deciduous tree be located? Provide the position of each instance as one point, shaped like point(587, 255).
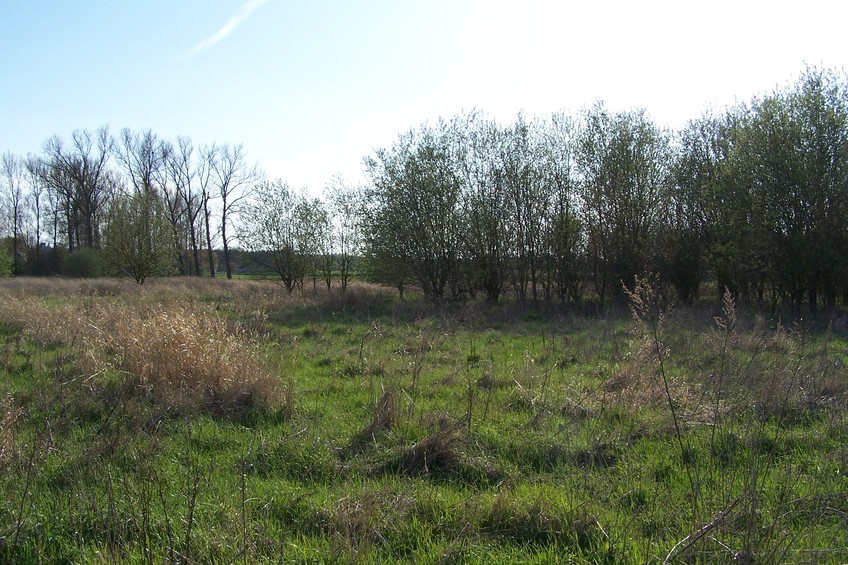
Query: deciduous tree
point(415, 222)
point(623, 163)
point(12, 201)
point(274, 233)
point(80, 173)
point(346, 216)
point(233, 178)
point(138, 240)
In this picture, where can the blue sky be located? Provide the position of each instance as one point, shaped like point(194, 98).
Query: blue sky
point(312, 87)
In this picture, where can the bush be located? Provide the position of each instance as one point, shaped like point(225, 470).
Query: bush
point(5, 263)
point(83, 263)
point(138, 239)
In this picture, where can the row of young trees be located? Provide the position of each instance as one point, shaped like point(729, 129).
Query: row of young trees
point(753, 198)
point(294, 235)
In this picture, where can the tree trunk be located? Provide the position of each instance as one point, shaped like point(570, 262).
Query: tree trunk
point(195, 252)
point(208, 239)
point(226, 248)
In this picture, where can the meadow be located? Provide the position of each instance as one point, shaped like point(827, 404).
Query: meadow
point(201, 421)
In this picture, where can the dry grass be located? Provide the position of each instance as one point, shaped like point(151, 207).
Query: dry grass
point(360, 522)
point(709, 375)
point(53, 286)
point(384, 418)
point(637, 385)
point(178, 354)
point(166, 339)
point(440, 452)
point(185, 357)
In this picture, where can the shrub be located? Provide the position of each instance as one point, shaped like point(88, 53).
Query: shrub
point(83, 263)
point(5, 263)
point(138, 240)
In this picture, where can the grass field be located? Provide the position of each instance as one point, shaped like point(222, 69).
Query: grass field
point(197, 421)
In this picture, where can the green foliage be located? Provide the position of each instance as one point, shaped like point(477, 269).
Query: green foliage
point(85, 263)
point(5, 263)
point(769, 179)
point(414, 226)
point(138, 239)
point(282, 232)
point(470, 205)
point(752, 198)
point(623, 159)
point(346, 210)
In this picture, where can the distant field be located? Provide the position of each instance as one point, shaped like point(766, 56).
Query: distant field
point(201, 421)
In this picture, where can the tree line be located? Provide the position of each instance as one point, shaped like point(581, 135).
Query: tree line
point(144, 205)
point(752, 198)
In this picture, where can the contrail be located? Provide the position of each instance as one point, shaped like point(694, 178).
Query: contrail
point(225, 30)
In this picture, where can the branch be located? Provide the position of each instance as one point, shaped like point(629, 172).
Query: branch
point(692, 538)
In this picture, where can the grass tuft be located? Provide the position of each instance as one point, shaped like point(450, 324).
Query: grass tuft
point(437, 453)
point(186, 359)
point(384, 418)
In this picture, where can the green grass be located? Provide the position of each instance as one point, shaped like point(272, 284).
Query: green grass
point(405, 431)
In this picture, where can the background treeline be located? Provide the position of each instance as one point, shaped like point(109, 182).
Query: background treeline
point(131, 204)
point(752, 198)
point(134, 204)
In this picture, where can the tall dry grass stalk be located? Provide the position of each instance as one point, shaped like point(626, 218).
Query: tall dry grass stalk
point(648, 309)
point(644, 380)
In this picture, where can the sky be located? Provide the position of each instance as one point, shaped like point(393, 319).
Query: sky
point(312, 87)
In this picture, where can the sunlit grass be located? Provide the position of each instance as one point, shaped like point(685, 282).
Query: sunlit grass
point(386, 431)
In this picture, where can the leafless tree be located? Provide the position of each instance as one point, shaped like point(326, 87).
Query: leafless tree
point(141, 158)
point(12, 169)
point(80, 174)
point(183, 172)
point(37, 200)
point(233, 177)
point(204, 179)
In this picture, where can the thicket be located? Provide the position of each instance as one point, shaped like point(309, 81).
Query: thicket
point(754, 199)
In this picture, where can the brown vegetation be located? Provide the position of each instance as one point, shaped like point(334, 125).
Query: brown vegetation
point(180, 356)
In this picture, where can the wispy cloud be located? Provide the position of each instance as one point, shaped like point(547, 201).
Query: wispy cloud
point(225, 30)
